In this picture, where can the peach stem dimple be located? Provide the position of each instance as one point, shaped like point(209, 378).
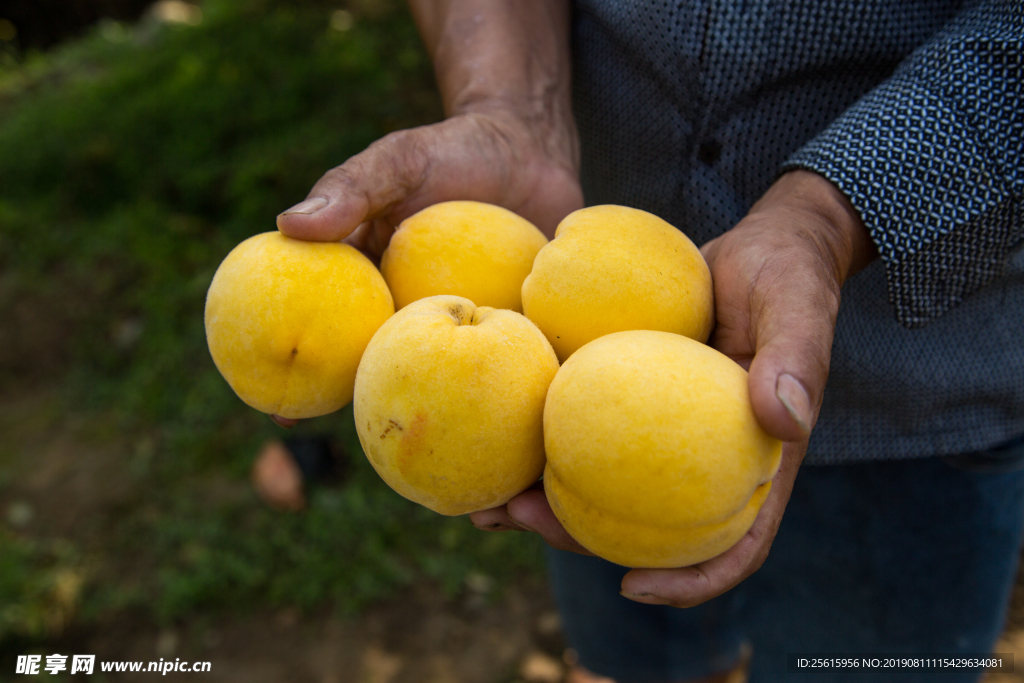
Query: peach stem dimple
point(456, 312)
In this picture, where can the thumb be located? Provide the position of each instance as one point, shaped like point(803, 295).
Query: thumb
point(793, 332)
point(367, 186)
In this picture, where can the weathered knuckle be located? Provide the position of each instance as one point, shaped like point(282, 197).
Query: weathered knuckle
point(344, 175)
point(404, 157)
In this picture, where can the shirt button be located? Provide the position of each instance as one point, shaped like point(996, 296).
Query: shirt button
point(709, 151)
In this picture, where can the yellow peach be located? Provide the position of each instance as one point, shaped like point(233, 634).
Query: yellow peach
point(655, 458)
point(287, 322)
point(613, 268)
point(449, 403)
point(470, 249)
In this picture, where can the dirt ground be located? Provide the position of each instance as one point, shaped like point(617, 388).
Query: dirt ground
point(65, 481)
point(71, 484)
point(416, 638)
point(1012, 640)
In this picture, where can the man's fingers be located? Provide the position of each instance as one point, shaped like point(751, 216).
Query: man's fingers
point(794, 328)
point(365, 187)
point(497, 519)
point(485, 158)
point(530, 510)
point(494, 519)
point(372, 238)
point(690, 586)
point(285, 422)
point(787, 380)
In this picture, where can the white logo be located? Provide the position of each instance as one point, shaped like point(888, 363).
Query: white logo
point(86, 664)
point(82, 664)
point(56, 663)
point(28, 664)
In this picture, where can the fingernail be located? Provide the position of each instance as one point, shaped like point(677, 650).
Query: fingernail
point(497, 526)
point(283, 421)
point(648, 598)
point(311, 205)
point(798, 404)
point(521, 526)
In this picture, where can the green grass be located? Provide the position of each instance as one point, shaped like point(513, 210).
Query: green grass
point(131, 162)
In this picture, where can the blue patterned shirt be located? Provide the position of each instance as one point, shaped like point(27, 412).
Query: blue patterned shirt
point(914, 109)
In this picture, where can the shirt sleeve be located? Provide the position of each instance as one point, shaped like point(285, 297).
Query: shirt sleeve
point(933, 159)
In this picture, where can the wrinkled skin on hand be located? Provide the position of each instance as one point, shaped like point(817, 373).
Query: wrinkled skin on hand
point(487, 157)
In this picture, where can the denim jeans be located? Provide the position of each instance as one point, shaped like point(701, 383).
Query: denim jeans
point(898, 556)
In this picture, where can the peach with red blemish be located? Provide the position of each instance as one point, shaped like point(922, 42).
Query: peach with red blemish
point(449, 403)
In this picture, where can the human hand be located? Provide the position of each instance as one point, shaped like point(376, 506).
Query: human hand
point(777, 278)
point(489, 154)
point(509, 139)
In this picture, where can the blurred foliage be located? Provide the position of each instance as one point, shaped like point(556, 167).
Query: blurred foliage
point(39, 586)
point(131, 162)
